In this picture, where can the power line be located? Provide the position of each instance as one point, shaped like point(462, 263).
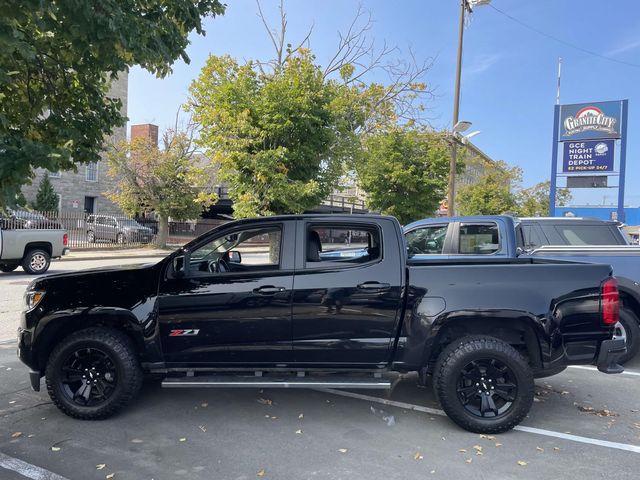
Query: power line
point(564, 42)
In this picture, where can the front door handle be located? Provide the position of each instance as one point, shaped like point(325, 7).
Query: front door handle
point(374, 286)
point(268, 290)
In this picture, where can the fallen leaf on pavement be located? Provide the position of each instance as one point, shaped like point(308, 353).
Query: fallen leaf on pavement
point(469, 460)
point(342, 450)
point(110, 476)
point(477, 447)
point(418, 456)
point(204, 405)
point(55, 449)
point(462, 450)
point(498, 444)
point(260, 473)
point(100, 466)
point(522, 463)
point(16, 434)
point(556, 448)
point(202, 427)
point(299, 432)
point(540, 449)
point(265, 401)
point(301, 416)
point(183, 439)
point(136, 440)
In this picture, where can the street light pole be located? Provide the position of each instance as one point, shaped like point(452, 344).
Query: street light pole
point(456, 108)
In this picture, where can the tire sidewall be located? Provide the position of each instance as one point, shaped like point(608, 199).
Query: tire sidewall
point(448, 372)
point(26, 263)
point(56, 390)
point(632, 330)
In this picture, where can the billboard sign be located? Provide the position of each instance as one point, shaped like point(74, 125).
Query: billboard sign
point(588, 156)
point(586, 121)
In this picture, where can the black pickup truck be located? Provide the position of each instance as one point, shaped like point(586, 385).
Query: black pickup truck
point(285, 302)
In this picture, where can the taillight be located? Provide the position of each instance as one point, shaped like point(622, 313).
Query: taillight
point(610, 302)
point(65, 240)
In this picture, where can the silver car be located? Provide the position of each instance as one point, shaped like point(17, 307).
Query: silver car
point(117, 229)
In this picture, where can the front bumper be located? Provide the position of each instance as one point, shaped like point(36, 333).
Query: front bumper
point(610, 353)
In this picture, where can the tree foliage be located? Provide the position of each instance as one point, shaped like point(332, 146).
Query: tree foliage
point(46, 198)
point(493, 193)
point(534, 201)
point(284, 129)
point(57, 60)
point(277, 136)
point(404, 172)
point(169, 182)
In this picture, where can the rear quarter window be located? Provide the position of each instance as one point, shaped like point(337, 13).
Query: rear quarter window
point(587, 235)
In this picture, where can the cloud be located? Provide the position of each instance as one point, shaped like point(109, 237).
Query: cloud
point(481, 63)
point(624, 48)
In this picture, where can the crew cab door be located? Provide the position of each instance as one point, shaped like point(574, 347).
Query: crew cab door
point(228, 299)
point(347, 291)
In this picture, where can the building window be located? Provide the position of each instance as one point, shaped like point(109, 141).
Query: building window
point(53, 174)
point(92, 172)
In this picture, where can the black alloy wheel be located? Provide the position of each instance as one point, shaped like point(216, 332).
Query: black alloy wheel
point(89, 377)
point(487, 388)
point(483, 384)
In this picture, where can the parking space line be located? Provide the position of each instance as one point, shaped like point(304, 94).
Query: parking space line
point(27, 470)
point(520, 428)
point(594, 369)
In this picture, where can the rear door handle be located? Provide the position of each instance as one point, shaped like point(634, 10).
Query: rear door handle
point(370, 286)
point(268, 290)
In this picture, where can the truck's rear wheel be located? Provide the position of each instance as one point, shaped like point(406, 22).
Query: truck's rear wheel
point(93, 373)
point(629, 330)
point(36, 261)
point(483, 384)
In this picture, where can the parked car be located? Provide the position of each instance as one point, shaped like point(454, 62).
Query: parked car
point(116, 229)
point(21, 218)
point(228, 311)
point(31, 248)
point(573, 239)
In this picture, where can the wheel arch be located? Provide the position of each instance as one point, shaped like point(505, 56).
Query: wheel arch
point(61, 326)
point(515, 328)
point(630, 295)
point(46, 246)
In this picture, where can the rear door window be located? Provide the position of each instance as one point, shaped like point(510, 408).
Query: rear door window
point(587, 234)
point(328, 245)
point(478, 238)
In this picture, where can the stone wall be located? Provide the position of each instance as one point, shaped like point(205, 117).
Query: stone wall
point(73, 187)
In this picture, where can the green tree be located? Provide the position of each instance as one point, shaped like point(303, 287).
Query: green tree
point(277, 135)
point(170, 182)
point(493, 193)
point(57, 60)
point(46, 198)
point(404, 172)
point(534, 201)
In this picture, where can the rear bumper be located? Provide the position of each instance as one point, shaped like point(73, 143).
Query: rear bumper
point(610, 353)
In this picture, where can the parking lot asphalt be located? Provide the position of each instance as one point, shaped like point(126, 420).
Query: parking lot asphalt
point(584, 424)
point(299, 434)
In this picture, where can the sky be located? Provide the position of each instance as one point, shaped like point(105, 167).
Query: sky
point(509, 72)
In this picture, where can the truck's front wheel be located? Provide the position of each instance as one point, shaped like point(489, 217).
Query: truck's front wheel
point(36, 261)
point(483, 384)
point(93, 373)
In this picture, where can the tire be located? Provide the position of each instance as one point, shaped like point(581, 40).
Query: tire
point(8, 268)
point(91, 236)
point(121, 239)
point(630, 330)
point(455, 374)
point(36, 261)
point(105, 357)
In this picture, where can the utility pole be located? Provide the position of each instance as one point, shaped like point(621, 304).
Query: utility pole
point(456, 109)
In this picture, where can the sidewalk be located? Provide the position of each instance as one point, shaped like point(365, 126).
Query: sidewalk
point(115, 253)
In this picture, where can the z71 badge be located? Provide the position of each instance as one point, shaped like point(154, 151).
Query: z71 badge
point(184, 333)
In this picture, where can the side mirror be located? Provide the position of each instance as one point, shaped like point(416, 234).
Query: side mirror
point(235, 256)
point(178, 267)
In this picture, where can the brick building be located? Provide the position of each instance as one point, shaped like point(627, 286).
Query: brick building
point(85, 189)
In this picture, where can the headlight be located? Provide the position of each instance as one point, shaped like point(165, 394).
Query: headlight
point(32, 299)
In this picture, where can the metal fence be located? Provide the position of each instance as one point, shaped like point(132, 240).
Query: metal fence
point(104, 231)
